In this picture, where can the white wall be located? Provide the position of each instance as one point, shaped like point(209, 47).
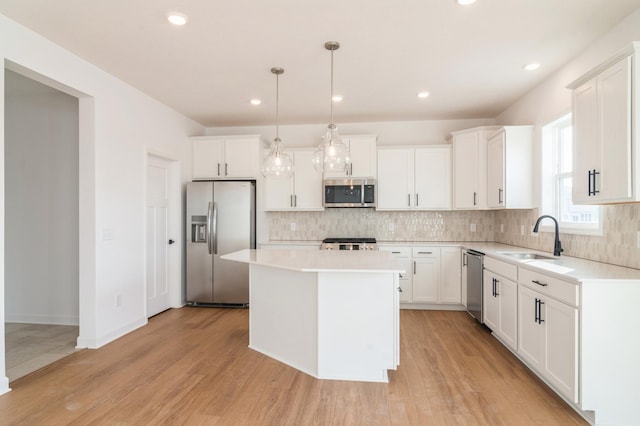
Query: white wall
point(41, 195)
point(389, 133)
point(118, 124)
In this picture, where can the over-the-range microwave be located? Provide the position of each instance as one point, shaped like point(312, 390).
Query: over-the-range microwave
point(349, 193)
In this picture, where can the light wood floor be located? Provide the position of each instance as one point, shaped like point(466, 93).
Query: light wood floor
point(192, 366)
point(29, 347)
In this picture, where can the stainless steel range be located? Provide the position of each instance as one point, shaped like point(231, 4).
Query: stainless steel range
point(349, 244)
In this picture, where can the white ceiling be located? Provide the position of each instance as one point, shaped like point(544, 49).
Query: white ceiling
point(469, 58)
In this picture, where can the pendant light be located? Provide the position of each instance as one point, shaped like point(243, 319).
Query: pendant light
point(332, 155)
point(277, 164)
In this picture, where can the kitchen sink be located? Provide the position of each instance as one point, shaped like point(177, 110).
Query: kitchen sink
point(526, 255)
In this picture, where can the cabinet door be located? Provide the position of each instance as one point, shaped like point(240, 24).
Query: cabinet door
point(508, 311)
point(561, 347)
point(241, 158)
point(363, 156)
point(585, 139)
point(614, 96)
point(466, 157)
point(531, 334)
point(406, 281)
point(432, 178)
point(395, 179)
point(426, 276)
point(207, 159)
point(279, 192)
point(496, 171)
point(450, 275)
point(307, 182)
point(490, 308)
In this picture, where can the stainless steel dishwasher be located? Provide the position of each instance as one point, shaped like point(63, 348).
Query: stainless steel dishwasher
point(475, 260)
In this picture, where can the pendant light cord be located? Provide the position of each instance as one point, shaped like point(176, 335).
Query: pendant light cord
point(277, 103)
point(331, 99)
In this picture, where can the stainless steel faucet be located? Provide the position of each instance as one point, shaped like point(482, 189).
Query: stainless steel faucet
point(557, 246)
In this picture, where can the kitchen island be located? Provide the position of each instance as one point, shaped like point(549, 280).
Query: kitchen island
point(330, 314)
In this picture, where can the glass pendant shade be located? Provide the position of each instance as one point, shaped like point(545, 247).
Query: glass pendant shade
point(332, 155)
point(277, 164)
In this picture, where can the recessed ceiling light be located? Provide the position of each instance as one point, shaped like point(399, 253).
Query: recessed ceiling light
point(336, 98)
point(423, 95)
point(255, 101)
point(177, 18)
point(532, 66)
point(466, 2)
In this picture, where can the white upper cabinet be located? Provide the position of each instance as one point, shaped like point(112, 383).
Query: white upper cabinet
point(605, 128)
point(510, 168)
point(362, 149)
point(414, 178)
point(225, 157)
point(302, 191)
point(470, 168)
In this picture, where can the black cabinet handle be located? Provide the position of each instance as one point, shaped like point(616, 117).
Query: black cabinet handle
point(218, 169)
point(171, 241)
point(400, 290)
point(226, 169)
point(539, 283)
point(474, 197)
point(464, 259)
point(592, 182)
point(414, 267)
point(535, 310)
point(540, 303)
point(496, 294)
point(500, 191)
point(417, 202)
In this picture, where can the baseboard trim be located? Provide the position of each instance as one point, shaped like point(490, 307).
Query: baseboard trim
point(95, 343)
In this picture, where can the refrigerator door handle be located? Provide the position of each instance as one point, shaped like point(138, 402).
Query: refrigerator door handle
point(214, 230)
point(208, 225)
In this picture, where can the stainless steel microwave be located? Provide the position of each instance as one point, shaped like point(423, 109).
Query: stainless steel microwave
point(349, 193)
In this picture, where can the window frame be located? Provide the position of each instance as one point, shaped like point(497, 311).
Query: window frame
point(552, 177)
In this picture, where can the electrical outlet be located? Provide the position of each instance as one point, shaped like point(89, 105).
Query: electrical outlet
point(473, 227)
point(292, 226)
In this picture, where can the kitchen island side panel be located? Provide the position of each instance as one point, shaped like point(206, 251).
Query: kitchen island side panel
point(356, 326)
point(283, 318)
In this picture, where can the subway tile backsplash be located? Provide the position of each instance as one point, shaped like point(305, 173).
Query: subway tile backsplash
point(617, 245)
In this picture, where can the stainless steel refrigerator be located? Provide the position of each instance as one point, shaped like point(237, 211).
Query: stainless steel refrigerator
point(221, 218)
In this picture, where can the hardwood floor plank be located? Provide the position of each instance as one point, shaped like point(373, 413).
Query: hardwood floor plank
point(192, 366)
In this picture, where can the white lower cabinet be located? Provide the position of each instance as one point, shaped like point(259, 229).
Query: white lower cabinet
point(500, 304)
point(426, 274)
point(403, 256)
point(548, 334)
point(432, 277)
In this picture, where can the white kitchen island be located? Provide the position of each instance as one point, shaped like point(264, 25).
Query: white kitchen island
point(331, 314)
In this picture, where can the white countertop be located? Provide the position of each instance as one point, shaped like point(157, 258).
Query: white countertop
point(319, 261)
point(563, 267)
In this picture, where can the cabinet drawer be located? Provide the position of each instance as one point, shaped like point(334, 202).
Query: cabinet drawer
point(551, 286)
point(505, 269)
point(396, 251)
point(426, 252)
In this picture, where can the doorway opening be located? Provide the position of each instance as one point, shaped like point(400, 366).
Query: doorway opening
point(41, 224)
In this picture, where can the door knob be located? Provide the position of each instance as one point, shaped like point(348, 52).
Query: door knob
point(171, 241)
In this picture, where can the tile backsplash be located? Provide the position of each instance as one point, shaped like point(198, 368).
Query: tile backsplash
point(617, 245)
point(384, 226)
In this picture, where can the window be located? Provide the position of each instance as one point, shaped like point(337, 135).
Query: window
point(557, 168)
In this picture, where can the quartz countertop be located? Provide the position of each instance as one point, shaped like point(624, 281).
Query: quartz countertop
point(319, 261)
point(563, 267)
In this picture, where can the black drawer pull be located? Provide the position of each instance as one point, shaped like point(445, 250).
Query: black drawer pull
point(539, 283)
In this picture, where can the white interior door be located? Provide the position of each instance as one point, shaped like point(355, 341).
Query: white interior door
point(157, 236)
